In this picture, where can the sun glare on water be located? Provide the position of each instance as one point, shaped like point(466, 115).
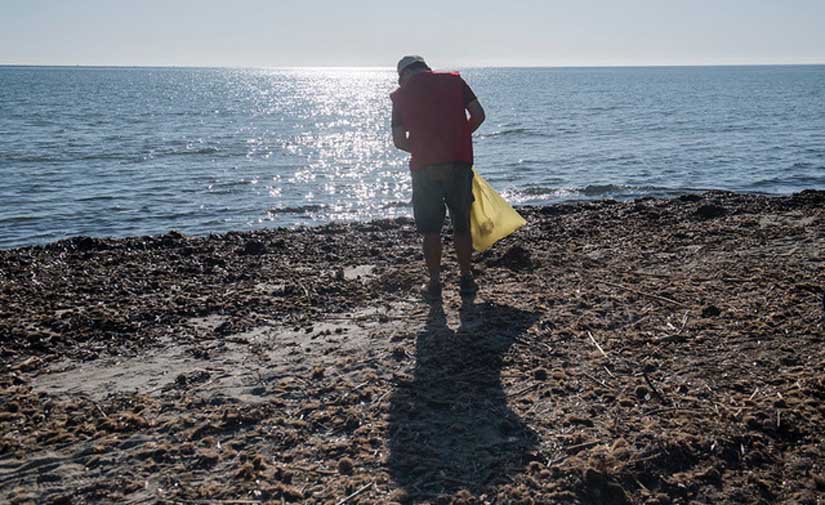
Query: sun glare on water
point(320, 139)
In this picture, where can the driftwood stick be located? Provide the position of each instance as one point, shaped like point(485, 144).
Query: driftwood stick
point(642, 293)
point(355, 494)
point(596, 344)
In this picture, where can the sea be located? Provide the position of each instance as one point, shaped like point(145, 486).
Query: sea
point(140, 151)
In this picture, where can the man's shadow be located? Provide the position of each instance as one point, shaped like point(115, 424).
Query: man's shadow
point(450, 427)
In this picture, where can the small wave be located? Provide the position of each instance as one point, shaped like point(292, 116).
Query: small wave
point(191, 152)
point(228, 187)
point(593, 191)
point(300, 209)
point(64, 156)
point(517, 132)
point(396, 205)
point(800, 181)
point(35, 158)
point(538, 190)
point(603, 108)
point(19, 219)
point(733, 128)
point(104, 157)
point(604, 189)
point(504, 133)
point(632, 191)
point(804, 164)
point(97, 198)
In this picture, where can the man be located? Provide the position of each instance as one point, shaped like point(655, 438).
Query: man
point(430, 121)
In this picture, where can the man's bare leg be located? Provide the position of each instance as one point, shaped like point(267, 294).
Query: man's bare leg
point(432, 256)
point(463, 251)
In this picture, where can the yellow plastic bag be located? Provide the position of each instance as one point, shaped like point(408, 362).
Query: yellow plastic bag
point(491, 217)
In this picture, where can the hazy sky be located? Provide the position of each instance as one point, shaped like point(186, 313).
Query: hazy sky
point(375, 33)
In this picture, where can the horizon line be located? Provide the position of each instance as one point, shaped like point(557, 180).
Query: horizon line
point(392, 67)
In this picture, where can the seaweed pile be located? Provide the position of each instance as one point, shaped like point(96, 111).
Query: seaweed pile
point(645, 352)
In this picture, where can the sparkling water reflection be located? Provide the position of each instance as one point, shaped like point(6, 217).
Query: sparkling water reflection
point(102, 151)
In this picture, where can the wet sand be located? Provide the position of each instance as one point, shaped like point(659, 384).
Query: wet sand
point(655, 351)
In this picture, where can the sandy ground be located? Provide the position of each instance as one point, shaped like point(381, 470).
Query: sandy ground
point(643, 352)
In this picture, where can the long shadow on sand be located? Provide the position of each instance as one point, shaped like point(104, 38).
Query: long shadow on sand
point(450, 427)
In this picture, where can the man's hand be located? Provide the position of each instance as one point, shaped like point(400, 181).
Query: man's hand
point(477, 115)
point(400, 139)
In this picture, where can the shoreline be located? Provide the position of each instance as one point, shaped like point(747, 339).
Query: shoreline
point(650, 351)
point(299, 228)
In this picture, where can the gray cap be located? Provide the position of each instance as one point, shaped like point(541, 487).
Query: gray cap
point(406, 61)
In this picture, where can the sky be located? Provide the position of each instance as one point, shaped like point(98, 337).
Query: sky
point(449, 33)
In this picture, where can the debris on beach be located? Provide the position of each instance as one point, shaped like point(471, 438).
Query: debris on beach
point(645, 352)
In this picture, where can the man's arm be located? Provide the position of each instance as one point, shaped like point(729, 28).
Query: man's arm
point(399, 133)
point(400, 138)
point(477, 115)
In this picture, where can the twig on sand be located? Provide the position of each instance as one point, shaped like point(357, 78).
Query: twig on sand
point(642, 293)
point(378, 400)
point(597, 381)
point(522, 391)
point(205, 502)
point(100, 409)
point(596, 344)
point(321, 471)
point(671, 338)
point(355, 494)
point(570, 450)
point(651, 274)
point(684, 322)
point(306, 291)
point(637, 322)
point(642, 315)
point(585, 445)
point(665, 409)
point(655, 391)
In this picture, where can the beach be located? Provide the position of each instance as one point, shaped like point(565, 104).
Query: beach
point(652, 351)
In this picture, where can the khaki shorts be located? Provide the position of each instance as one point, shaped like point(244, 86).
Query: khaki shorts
point(440, 187)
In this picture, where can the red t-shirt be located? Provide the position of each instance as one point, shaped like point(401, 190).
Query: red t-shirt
point(431, 106)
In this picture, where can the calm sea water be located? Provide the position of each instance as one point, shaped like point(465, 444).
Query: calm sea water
point(132, 151)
